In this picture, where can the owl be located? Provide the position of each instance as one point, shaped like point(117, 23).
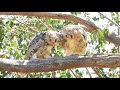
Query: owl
point(74, 39)
point(41, 45)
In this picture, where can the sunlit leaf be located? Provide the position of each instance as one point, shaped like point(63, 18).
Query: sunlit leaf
point(100, 33)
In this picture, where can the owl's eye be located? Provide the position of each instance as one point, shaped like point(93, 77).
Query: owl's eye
point(69, 36)
point(50, 39)
point(69, 30)
point(84, 36)
point(66, 35)
point(57, 40)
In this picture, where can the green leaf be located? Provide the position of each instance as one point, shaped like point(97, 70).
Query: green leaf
point(100, 33)
point(106, 32)
point(112, 13)
point(14, 43)
point(74, 13)
point(95, 18)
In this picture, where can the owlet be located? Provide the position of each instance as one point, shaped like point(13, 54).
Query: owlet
point(74, 39)
point(41, 45)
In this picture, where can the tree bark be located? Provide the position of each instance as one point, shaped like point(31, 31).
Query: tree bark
point(59, 63)
point(113, 38)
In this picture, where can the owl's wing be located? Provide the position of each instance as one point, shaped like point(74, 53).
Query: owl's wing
point(34, 45)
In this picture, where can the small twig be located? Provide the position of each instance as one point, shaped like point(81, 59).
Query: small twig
point(96, 71)
point(102, 73)
point(53, 74)
point(49, 27)
point(89, 73)
point(46, 25)
point(109, 20)
point(73, 73)
point(26, 25)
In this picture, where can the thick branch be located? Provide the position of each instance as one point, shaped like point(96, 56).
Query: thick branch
point(113, 38)
point(59, 63)
point(91, 26)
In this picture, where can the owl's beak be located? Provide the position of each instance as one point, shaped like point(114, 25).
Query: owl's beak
point(75, 32)
point(54, 41)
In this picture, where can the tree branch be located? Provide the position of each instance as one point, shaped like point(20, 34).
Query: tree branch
point(26, 26)
point(59, 63)
point(53, 15)
point(91, 26)
point(109, 19)
point(113, 38)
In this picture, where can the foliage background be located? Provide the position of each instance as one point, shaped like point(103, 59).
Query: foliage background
point(17, 31)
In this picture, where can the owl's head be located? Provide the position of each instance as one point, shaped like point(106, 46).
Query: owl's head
point(52, 37)
point(74, 31)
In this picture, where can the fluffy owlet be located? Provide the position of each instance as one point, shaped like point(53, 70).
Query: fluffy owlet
point(41, 45)
point(74, 39)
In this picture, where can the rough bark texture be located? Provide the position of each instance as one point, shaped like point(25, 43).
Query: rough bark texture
point(59, 63)
point(91, 26)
